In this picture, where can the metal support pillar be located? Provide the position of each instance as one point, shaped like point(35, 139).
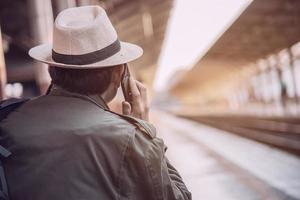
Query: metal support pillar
point(2, 70)
point(83, 2)
point(59, 5)
point(42, 22)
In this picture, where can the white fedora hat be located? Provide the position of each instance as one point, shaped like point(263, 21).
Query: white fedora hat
point(83, 37)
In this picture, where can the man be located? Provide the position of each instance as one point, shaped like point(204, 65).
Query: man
point(68, 144)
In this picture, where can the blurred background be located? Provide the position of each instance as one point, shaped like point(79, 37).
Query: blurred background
point(223, 78)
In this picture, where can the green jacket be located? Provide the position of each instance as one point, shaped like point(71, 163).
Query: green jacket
point(68, 146)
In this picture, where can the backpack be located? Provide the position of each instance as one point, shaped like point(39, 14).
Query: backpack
point(6, 107)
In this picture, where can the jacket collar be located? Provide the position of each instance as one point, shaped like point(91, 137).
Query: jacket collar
point(96, 99)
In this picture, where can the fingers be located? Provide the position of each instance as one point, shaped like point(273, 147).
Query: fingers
point(143, 94)
point(143, 91)
point(126, 108)
point(134, 90)
point(136, 101)
point(139, 99)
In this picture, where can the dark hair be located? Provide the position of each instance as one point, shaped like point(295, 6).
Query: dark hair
point(82, 81)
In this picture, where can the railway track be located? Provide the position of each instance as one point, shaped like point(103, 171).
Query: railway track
point(283, 133)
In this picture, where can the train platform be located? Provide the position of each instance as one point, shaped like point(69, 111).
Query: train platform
point(289, 110)
point(217, 164)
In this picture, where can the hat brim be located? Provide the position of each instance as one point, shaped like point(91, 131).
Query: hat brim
point(128, 52)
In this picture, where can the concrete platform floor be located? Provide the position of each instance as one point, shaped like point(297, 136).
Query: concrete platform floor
point(217, 165)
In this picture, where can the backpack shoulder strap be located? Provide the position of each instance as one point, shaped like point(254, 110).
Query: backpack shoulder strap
point(9, 105)
point(4, 153)
point(6, 107)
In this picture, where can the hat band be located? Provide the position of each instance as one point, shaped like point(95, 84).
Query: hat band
point(88, 58)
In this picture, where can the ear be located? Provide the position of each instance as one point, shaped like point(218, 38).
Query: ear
point(117, 73)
